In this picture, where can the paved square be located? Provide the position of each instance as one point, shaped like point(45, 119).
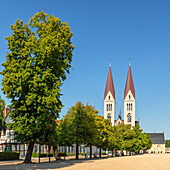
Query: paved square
point(138, 162)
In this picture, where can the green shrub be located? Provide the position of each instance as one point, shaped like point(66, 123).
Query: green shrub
point(71, 154)
point(61, 154)
point(36, 155)
point(82, 153)
point(104, 153)
point(4, 156)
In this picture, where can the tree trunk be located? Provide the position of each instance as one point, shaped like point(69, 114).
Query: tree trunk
point(112, 152)
point(49, 147)
point(100, 152)
point(90, 151)
point(29, 152)
point(77, 151)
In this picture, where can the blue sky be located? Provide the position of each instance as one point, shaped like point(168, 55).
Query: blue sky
point(103, 30)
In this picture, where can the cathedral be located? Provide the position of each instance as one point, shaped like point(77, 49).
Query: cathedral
point(129, 101)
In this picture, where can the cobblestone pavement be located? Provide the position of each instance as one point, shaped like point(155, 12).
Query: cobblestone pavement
point(138, 162)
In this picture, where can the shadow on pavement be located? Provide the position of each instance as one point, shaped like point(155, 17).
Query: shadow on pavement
point(46, 165)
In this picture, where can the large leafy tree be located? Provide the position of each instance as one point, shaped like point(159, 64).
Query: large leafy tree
point(124, 137)
point(2, 118)
point(105, 136)
point(39, 56)
point(137, 141)
point(91, 137)
point(78, 126)
point(146, 141)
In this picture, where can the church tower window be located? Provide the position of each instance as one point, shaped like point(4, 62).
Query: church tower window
point(107, 107)
point(109, 117)
point(109, 97)
point(129, 118)
point(111, 107)
point(131, 106)
point(127, 106)
point(129, 97)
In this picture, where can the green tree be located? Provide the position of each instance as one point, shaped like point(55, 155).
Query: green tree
point(2, 118)
point(105, 136)
point(146, 141)
point(167, 143)
point(137, 141)
point(100, 138)
point(35, 67)
point(125, 137)
point(64, 127)
point(77, 126)
point(92, 114)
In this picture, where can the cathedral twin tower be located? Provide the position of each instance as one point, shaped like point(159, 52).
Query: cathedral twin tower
point(129, 100)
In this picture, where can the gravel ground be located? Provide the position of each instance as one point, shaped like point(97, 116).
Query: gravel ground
point(138, 162)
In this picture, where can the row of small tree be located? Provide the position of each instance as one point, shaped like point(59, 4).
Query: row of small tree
point(83, 125)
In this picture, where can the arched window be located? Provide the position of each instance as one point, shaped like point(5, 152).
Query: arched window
point(129, 117)
point(131, 106)
point(107, 107)
point(109, 97)
point(127, 106)
point(109, 117)
point(129, 97)
point(111, 107)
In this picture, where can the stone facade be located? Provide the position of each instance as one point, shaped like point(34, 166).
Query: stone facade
point(157, 148)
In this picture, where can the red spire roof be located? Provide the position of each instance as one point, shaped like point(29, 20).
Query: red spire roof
point(129, 83)
point(109, 85)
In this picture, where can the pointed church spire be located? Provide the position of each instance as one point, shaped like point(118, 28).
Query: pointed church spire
point(109, 84)
point(120, 116)
point(129, 83)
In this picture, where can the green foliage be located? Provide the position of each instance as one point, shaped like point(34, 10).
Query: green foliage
point(71, 154)
point(61, 154)
point(104, 153)
point(167, 143)
point(124, 137)
point(75, 126)
point(4, 156)
point(103, 127)
point(36, 155)
point(146, 141)
point(40, 55)
point(78, 126)
point(2, 118)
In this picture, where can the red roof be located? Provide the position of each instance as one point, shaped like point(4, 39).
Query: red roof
point(129, 84)
point(120, 120)
point(109, 85)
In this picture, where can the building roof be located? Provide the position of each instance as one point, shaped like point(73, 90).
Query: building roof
point(120, 120)
point(129, 84)
point(157, 138)
point(109, 85)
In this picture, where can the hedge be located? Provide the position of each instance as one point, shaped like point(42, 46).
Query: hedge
point(104, 153)
point(41, 155)
point(4, 156)
point(61, 154)
point(71, 154)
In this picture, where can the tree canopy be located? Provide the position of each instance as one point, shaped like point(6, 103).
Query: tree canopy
point(78, 126)
point(2, 118)
point(38, 59)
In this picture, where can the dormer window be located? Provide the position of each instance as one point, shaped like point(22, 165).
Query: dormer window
point(109, 97)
